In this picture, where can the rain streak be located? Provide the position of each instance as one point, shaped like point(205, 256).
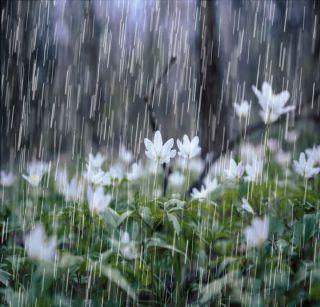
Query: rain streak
point(160, 153)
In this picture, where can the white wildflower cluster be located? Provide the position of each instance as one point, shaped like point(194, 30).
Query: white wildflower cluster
point(72, 190)
point(100, 177)
point(36, 170)
point(258, 232)
point(38, 246)
point(242, 110)
point(7, 179)
point(157, 151)
point(162, 153)
point(97, 199)
point(308, 164)
point(235, 171)
point(188, 149)
point(250, 153)
point(136, 172)
point(209, 186)
point(254, 171)
point(314, 154)
point(272, 105)
point(97, 179)
point(94, 173)
point(282, 157)
point(250, 172)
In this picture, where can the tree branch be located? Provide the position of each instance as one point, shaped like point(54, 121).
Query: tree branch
point(153, 119)
point(152, 115)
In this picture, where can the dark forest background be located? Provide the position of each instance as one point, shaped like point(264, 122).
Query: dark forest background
point(75, 74)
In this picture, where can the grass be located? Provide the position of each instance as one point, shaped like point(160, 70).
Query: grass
point(187, 251)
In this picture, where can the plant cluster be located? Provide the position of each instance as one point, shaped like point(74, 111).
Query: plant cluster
point(105, 235)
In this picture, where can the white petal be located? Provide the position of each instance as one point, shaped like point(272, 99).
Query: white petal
point(157, 140)
point(149, 145)
point(167, 145)
point(282, 98)
point(266, 89)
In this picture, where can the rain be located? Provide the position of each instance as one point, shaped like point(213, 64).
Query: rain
point(160, 153)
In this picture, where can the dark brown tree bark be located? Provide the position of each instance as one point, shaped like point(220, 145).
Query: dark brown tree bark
point(212, 120)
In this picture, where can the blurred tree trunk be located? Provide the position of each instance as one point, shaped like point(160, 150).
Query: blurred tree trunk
point(212, 121)
point(316, 56)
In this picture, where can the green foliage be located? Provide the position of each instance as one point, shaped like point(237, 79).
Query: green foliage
point(188, 252)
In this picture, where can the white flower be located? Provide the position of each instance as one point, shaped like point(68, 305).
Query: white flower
point(258, 232)
point(116, 172)
point(314, 153)
point(242, 110)
point(73, 190)
point(246, 206)
point(282, 157)
point(199, 195)
point(38, 246)
point(218, 168)
point(211, 184)
point(136, 172)
point(176, 179)
point(95, 162)
point(273, 105)
point(98, 201)
point(125, 155)
point(235, 170)
point(208, 187)
point(188, 149)
point(157, 151)
point(305, 167)
point(128, 247)
point(36, 170)
point(61, 179)
point(7, 179)
point(250, 153)
point(96, 176)
point(254, 171)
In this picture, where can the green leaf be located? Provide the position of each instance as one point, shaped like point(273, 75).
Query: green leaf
point(68, 260)
point(115, 276)
point(145, 274)
point(174, 204)
point(176, 225)
point(315, 292)
point(309, 221)
point(4, 277)
point(111, 217)
point(276, 227)
point(157, 243)
point(304, 229)
point(146, 215)
point(216, 287)
point(124, 216)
